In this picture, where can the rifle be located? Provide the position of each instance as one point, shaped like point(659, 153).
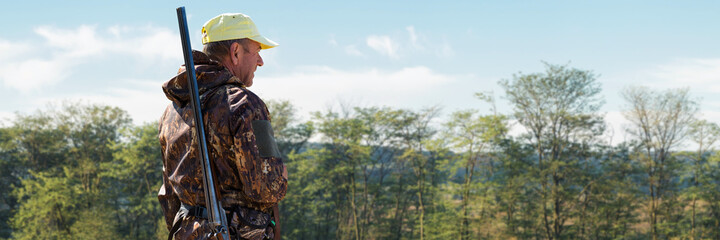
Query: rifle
point(216, 214)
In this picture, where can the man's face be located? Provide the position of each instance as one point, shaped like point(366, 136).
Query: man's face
point(244, 63)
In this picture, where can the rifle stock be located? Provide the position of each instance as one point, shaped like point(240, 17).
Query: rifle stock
point(216, 214)
point(276, 214)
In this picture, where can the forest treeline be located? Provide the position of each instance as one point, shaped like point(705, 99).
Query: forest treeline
point(84, 171)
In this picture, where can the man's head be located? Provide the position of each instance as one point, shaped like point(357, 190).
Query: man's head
point(233, 40)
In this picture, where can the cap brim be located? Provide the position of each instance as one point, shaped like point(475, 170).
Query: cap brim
point(265, 43)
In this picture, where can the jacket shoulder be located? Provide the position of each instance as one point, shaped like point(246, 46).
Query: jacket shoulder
point(243, 101)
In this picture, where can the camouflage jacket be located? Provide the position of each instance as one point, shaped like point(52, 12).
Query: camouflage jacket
point(247, 165)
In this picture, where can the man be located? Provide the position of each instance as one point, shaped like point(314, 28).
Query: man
point(249, 174)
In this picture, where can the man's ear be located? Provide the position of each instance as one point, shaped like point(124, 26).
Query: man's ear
point(235, 53)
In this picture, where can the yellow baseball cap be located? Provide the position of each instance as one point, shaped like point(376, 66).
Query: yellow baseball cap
point(228, 26)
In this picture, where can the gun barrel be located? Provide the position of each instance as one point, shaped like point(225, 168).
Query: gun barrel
point(216, 215)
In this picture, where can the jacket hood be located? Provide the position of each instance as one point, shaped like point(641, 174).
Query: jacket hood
point(209, 74)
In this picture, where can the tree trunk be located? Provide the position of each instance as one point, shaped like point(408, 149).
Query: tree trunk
point(692, 231)
point(465, 222)
point(354, 208)
point(653, 212)
point(422, 215)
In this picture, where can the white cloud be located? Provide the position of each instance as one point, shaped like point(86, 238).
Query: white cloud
point(75, 43)
point(711, 116)
point(64, 49)
point(142, 99)
point(353, 51)
point(416, 43)
point(271, 57)
point(515, 128)
point(149, 43)
point(414, 38)
point(312, 88)
point(617, 126)
point(315, 87)
point(332, 41)
point(384, 45)
point(12, 50)
point(615, 132)
point(702, 75)
point(33, 73)
point(6, 118)
point(445, 50)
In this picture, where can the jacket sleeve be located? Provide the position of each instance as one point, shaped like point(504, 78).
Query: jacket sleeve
point(169, 201)
point(259, 164)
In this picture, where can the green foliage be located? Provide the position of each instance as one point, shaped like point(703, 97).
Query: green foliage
point(84, 172)
point(291, 136)
point(10, 167)
point(47, 206)
point(308, 206)
point(700, 175)
point(135, 175)
point(558, 108)
point(97, 223)
point(660, 122)
point(475, 140)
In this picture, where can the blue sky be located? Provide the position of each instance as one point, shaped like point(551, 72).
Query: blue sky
point(407, 54)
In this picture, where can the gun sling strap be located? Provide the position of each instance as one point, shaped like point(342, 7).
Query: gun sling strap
point(250, 217)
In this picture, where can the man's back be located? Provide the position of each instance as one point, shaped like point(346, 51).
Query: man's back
point(248, 174)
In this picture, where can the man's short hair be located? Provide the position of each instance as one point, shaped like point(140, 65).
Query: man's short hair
point(217, 51)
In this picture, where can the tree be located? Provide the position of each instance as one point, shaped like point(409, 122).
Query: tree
point(64, 150)
point(344, 135)
point(383, 138)
point(10, 170)
point(710, 183)
point(309, 207)
point(705, 134)
point(559, 110)
point(613, 196)
point(415, 132)
point(474, 138)
point(517, 190)
point(660, 121)
point(291, 136)
point(48, 206)
point(135, 175)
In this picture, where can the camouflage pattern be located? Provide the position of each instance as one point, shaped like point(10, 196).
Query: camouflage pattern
point(198, 229)
point(242, 176)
